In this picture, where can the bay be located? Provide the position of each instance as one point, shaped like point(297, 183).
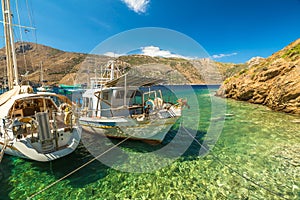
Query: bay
point(255, 156)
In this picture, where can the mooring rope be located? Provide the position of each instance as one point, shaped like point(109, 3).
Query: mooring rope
point(235, 171)
point(77, 169)
point(216, 157)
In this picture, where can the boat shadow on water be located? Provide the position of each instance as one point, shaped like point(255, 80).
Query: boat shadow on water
point(39, 173)
point(5, 174)
point(61, 167)
point(179, 145)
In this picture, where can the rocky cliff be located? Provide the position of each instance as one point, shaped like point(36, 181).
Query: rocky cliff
point(274, 81)
point(56, 64)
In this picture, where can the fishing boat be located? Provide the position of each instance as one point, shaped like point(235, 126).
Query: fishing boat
point(127, 107)
point(44, 87)
point(36, 126)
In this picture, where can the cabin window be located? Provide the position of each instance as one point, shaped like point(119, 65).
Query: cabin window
point(56, 100)
point(86, 102)
point(105, 95)
point(119, 94)
point(91, 103)
point(136, 98)
point(130, 94)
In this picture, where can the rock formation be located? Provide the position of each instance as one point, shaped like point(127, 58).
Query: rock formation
point(274, 82)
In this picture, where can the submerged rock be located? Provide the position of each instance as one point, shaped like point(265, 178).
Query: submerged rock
point(297, 121)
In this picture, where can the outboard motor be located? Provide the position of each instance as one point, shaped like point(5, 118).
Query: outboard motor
point(45, 135)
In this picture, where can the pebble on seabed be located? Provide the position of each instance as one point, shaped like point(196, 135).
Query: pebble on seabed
point(297, 121)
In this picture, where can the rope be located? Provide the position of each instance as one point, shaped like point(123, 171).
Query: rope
point(2, 151)
point(21, 37)
point(29, 13)
point(32, 24)
point(77, 169)
point(216, 157)
point(235, 171)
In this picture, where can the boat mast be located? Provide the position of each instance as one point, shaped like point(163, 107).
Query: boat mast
point(42, 77)
point(12, 69)
point(112, 72)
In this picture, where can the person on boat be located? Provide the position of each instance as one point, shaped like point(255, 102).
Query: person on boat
point(183, 103)
point(150, 103)
point(147, 111)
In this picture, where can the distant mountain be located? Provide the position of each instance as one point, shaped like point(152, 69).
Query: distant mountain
point(61, 67)
point(55, 63)
point(274, 81)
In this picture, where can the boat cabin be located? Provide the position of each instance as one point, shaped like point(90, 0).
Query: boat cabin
point(112, 102)
point(29, 107)
point(121, 97)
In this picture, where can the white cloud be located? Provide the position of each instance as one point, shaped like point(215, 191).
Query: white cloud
point(152, 51)
point(138, 6)
point(223, 55)
point(156, 51)
point(112, 54)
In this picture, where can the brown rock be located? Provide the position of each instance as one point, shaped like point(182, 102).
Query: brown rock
point(274, 82)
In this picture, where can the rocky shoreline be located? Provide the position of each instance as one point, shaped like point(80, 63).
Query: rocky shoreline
point(274, 81)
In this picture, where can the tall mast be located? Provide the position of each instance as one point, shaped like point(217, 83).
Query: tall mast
point(42, 76)
point(112, 72)
point(11, 61)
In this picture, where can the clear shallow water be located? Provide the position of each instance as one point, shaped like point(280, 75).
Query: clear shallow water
point(255, 142)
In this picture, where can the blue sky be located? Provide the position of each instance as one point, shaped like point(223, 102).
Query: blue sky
point(229, 30)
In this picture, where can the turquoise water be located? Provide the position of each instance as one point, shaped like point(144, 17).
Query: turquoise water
point(255, 144)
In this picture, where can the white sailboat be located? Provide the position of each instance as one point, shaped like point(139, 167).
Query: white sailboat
point(39, 127)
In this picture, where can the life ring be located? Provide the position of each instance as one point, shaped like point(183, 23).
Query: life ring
point(140, 118)
point(151, 103)
point(65, 107)
point(69, 118)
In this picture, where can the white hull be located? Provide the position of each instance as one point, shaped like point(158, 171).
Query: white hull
point(33, 127)
point(25, 149)
point(149, 130)
point(120, 109)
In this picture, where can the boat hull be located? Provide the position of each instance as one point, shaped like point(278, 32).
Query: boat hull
point(152, 131)
point(24, 149)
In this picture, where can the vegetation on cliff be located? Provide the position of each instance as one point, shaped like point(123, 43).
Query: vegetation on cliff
point(274, 82)
point(30, 57)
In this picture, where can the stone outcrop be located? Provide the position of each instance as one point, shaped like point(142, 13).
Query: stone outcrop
point(274, 82)
point(254, 61)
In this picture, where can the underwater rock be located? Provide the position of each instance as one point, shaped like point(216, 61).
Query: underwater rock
point(297, 121)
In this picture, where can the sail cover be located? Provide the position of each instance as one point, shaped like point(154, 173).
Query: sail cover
point(7, 95)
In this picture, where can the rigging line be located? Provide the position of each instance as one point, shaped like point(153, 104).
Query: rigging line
point(77, 169)
point(234, 170)
point(21, 38)
point(32, 24)
point(30, 14)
